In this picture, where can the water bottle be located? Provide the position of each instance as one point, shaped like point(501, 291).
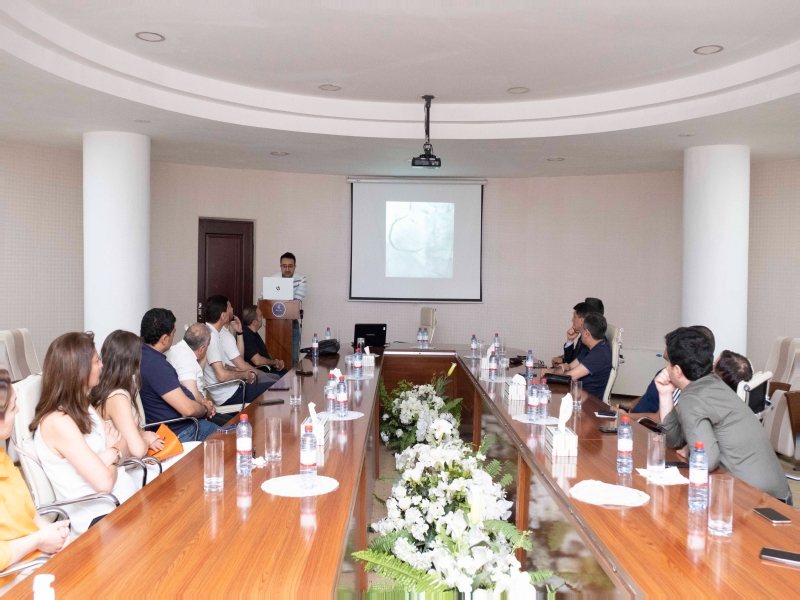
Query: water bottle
point(315, 346)
point(244, 446)
point(328, 333)
point(341, 398)
point(358, 364)
point(308, 458)
point(529, 366)
point(625, 446)
point(533, 401)
point(544, 399)
point(425, 338)
point(493, 367)
point(330, 395)
point(473, 346)
point(497, 342)
point(419, 337)
point(698, 478)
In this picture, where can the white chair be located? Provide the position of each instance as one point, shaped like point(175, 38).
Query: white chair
point(155, 424)
point(782, 357)
point(19, 355)
point(614, 338)
point(754, 392)
point(778, 425)
point(427, 318)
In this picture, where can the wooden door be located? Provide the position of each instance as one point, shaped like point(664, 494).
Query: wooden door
point(225, 263)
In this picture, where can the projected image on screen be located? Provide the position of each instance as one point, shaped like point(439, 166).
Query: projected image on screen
point(419, 239)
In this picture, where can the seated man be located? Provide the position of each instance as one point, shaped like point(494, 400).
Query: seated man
point(162, 395)
point(188, 357)
point(223, 361)
point(574, 348)
point(649, 402)
point(711, 413)
point(596, 305)
point(255, 350)
point(594, 367)
point(733, 368)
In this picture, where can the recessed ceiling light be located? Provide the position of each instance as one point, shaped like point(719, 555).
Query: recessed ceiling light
point(279, 153)
point(518, 90)
point(686, 135)
point(706, 50)
point(141, 121)
point(149, 36)
point(329, 87)
point(556, 159)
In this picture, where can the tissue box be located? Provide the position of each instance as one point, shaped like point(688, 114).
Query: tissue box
point(562, 466)
point(322, 428)
point(561, 443)
point(368, 360)
point(514, 399)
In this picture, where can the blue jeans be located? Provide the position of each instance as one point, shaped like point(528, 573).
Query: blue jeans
point(295, 342)
point(206, 429)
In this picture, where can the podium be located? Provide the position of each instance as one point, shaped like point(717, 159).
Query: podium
point(278, 316)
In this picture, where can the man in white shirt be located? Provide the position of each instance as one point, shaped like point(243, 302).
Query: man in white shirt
point(223, 361)
point(288, 265)
point(188, 356)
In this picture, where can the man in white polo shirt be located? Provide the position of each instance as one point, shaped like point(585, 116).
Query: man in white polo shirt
point(288, 265)
point(188, 357)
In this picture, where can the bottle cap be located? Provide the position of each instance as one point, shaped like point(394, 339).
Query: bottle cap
point(309, 427)
point(315, 333)
point(243, 417)
point(544, 380)
point(341, 378)
point(699, 446)
point(626, 420)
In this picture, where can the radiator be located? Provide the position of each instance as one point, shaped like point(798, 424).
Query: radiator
point(637, 368)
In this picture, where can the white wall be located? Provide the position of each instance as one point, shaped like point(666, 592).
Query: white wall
point(548, 243)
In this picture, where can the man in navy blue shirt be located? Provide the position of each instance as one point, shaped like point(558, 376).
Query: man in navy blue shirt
point(594, 367)
point(162, 395)
point(574, 348)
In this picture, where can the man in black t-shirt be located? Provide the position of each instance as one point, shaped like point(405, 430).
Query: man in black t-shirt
point(255, 350)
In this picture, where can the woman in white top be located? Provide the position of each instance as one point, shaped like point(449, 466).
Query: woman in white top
point(113, 396)
point(79, 453)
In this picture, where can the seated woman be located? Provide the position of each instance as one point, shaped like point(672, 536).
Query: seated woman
point(22, 531)
point(79, 453)
point(114, 397)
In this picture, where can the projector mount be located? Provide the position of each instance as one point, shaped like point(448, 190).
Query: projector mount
point(428, 159)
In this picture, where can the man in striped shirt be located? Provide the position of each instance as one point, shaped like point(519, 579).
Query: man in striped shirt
point(288, 265)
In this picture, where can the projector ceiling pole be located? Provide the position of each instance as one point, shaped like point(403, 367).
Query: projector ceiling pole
point(427, 146)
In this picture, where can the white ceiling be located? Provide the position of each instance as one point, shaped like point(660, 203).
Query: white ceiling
point(633, 82)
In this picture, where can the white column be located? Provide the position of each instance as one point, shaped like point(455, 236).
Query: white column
point(716, 231)
point(116, 231)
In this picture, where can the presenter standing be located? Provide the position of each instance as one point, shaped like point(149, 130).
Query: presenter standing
point(288, 265)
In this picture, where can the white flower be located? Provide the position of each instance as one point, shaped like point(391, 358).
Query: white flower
point(441, 428)
point(385, 437)
point(399, 433)
point(386, 416)
point(418, 530)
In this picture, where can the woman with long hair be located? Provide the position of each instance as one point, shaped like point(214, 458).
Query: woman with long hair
point(80, 454)
point(114, 398)
point(22, 531)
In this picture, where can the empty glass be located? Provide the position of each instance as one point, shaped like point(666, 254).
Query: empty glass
point(272, 439)
point(576, 389)
point(348, 366)
point(295, 387)
point(501, 351)
point(213, 465)
point(360, 344)
point(720, 504)
point(655, 452)
point(504, 365)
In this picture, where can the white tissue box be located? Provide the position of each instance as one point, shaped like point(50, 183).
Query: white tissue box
point(322, 428)
point(514, 399)
point(561, 443)
point(368, 360)
point(562, 466)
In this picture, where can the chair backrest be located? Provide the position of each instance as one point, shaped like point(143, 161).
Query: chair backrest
point(614, 338)
point(20, 355)
point(754, 392)
point(427, 318)
point(778, 425)
point(781, 358)
point(29, 390)
point(140, 410)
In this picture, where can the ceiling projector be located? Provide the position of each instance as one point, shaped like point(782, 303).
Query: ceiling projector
point(427, 160)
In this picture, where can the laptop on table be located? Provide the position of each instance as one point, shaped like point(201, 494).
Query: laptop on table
point(374, 334)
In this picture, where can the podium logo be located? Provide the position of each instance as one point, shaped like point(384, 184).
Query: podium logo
point(279, 309)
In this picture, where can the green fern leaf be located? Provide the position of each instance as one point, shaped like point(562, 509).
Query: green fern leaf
point(507, 480)
point(385, 543)
point(520, 539)
point(379, 499)
point(454, 408)
point(539, 576)
point(493, 468)
point(406, 576)
point(489, 440)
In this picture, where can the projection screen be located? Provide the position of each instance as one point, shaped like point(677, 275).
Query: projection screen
point(416, 241)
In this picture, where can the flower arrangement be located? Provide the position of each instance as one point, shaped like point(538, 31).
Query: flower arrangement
point(447, 526)
point(410, 409)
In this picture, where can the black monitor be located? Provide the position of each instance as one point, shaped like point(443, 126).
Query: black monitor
point(374, 334)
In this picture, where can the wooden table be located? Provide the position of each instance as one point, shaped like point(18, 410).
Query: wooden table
point(171, 539)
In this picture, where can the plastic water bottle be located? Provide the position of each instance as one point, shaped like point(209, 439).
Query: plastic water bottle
point(244, 446)
point(533, 401)
point(341, 398)
point(425, 338)
point(330, 395)
point(419, 337)
point(315, 346)
point(493, 367)
point(308, 458)
point(544, 399)
point(328, 333)
point(358, 364)
point(529, 366)
point(625, 446)
point(698, 478)
point(473, 346)
point(497, 342)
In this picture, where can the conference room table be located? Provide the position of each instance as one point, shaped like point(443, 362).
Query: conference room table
point(173, 539)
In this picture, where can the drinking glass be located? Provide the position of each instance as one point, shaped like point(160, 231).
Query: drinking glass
point(655, 452)
point(213, 465)
point(272, 439)
point(504, 365)
point(576, 389)
point(480, 349)
point(348, 366)
point(501, 351)
point(295, 384)
point(720, 504)
point(360, 344)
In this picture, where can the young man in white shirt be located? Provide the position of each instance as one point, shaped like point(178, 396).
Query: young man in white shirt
point(288, 265)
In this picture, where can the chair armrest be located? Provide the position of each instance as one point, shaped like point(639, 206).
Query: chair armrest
point(137, 462)
point(152, 460)
point(178, 420)
point(239, 382)
point(47, 510)
point(36, 562)
point(778, 385)
point(88, 498)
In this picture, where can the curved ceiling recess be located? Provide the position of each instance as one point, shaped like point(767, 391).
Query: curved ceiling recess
point(41, 40)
